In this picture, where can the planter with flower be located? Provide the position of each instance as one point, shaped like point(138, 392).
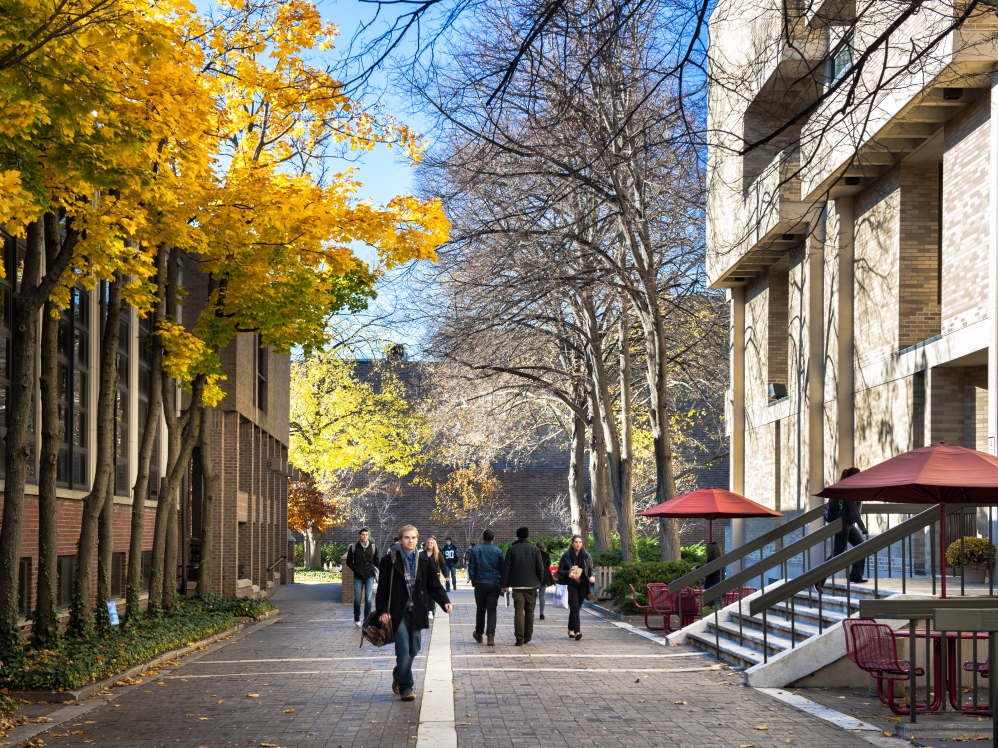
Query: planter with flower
point(977, 556)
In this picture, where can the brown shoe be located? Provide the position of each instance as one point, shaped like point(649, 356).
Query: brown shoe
point(492, 641)
point(395, 686)
point(478, 637)
point(408, 695)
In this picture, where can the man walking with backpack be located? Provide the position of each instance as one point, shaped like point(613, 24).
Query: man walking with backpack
point(406, 581)
point(450, 562)
point(483, 562)
point(362, 560)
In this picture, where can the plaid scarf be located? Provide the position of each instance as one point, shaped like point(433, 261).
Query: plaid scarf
point(410, 575)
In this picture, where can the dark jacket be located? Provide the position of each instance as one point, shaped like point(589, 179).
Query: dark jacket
point(484, 564)
point(427, 585)
point(852, 516)
point(362, 562)
point(565, 566)
point(523, 566)
point(546, 560)
point(450, 554)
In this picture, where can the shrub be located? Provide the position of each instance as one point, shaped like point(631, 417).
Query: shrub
point(556, 545)
point(639, 574)
point(76, 662)
point(695, 554)
point(299, 555)
point(976, 552)
point(332, 553)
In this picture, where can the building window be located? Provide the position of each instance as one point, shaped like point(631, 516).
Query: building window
point(74, 370)
point(66, 567)
point(262, 359)
point(23, 585)
point(842, 60)
point(145, 394)
point(117, 575)
point(121, 474)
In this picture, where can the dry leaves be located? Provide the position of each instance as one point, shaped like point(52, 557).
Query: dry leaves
point(289, 711)
point(762, 727)
point(252, 696)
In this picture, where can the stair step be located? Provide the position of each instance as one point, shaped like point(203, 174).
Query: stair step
point(775, 642)
point(730, 652)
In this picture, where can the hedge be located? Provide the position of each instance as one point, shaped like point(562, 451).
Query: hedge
point(639, 574)
point(78, 662)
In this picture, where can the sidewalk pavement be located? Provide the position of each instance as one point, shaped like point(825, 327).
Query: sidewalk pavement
point(612, 688)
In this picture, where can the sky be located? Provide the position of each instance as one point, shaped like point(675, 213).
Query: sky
point(383, 173)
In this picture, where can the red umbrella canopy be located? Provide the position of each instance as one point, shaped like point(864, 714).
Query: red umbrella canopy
point(941, 473)
point(710, 503)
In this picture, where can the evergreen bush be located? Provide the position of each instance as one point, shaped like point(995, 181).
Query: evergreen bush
point(640, 574)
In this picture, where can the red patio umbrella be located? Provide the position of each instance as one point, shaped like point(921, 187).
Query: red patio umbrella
point(938, 474)
point(711, 504)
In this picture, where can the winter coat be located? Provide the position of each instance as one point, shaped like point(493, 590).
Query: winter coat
point(427, 586)
point(523, 566)
point(484, 564)
point(566, 564)
point(546, 560)
point(450, 554)
point(363, 561)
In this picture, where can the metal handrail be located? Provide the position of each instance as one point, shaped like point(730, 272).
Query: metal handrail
point(271, 567)
point(741, 551)
point(847, 558)
point(775, 559)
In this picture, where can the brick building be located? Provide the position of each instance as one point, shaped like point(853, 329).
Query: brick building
point(858, 245)
point(249, 431)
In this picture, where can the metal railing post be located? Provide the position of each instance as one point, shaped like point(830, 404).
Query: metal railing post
point(912, 692)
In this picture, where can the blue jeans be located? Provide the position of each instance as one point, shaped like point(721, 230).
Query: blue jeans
point(365, 587)
point(407, 642)
point(450, 573)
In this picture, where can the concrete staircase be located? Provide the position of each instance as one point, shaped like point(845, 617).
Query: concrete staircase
point(744, 646)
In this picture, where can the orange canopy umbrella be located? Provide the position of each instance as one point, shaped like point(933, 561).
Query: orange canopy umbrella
point(710, 504)
point(938, 474)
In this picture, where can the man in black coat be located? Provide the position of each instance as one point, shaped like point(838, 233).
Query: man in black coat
point(522, 573)
point(362, 560)
point(405, 585)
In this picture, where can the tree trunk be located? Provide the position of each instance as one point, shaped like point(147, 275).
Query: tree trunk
point(81, 617)
point(625, 517)
point(315, 557)
point(602, 525)
point(45, 632)
point(105, 557)
point(576, 480)
point(140, 491)
point(210, 484)
point(171, 555)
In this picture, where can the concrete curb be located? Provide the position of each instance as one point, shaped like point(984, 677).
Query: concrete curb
point(606, 612)
point(80, 694)
point(947, 730)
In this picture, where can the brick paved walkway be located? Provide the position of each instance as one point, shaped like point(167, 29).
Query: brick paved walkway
point(612, 688)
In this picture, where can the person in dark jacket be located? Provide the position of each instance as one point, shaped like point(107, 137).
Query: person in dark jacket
point(548, 580)
point(484, 566)
point(713, 552)
point(362, 560)
point(405, 585)
point(522, 572)
point(853, 530)
point(450, 562)
point(576, 557)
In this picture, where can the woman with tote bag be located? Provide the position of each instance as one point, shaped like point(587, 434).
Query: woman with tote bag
point(548, 579)
point(575, 571)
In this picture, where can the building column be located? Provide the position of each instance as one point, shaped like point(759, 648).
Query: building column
point(815, 392)
point(736, 407)
point(992, 271)
point(845, 395)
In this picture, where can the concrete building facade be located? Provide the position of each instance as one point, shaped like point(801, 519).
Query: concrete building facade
point(857, 237)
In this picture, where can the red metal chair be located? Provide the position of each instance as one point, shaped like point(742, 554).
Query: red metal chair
point(648, 610)
point(733, 596)
point(688, 605)
point(874, 649)
point(663, 603)
point(983, 668)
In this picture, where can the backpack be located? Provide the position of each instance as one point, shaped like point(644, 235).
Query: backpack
point(833, 510)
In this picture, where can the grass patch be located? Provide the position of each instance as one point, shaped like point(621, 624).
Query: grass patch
point(312, 576)
point(79, 662)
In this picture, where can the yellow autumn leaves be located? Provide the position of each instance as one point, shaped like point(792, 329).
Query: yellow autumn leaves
point(151, 123)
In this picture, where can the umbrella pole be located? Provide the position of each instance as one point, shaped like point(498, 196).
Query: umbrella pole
point(710, 533)
point(942, 546)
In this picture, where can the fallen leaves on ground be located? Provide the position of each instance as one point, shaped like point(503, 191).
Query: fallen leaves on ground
point(762, 727)
point(289, 711)
point(252, 696)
